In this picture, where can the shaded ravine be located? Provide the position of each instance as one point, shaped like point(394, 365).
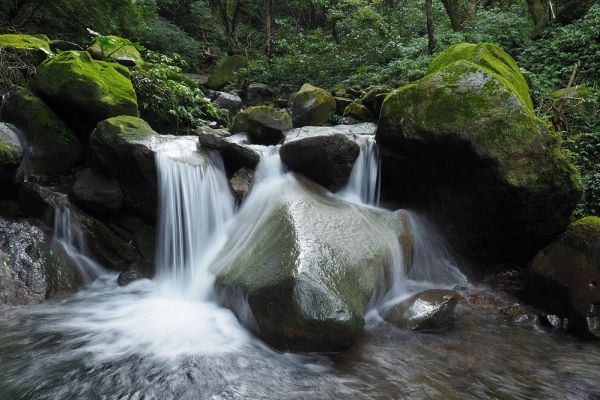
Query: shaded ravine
point(168, 338)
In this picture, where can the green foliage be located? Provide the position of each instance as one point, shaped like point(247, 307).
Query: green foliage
point(163, 36)
point(168, 100)
point(111, 45)
point(550, 60)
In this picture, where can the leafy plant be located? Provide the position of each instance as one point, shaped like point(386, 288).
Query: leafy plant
point(168, 100)
point(110, 45)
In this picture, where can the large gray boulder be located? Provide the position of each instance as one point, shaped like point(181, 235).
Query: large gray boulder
point(264, 124)
point(95, 193)
point(32, 267)
point(301, 267)
point(235, 155)
point(123, 148)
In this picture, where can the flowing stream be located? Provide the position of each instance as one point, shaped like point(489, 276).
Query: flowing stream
point(168, 338)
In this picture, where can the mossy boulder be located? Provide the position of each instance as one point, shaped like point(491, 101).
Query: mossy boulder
point(312, 106)
point(465, 142)
point(358, 112)
point(121, 50)
point(52, 147)
point(264, 124)
point(34, 48)
point(11, 151)
point(374, 98)
point(299, 287)
point(78, 84)
point(565, 277)
point(226, 71)
point(123, 149)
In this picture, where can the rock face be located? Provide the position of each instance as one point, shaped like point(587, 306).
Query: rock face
point(31, 267)
point(241, 182)
point(259, 94)
point(327, 159)
point(126, 53)
point(565, 277)
point(374, 98)
point(431, 310)
point(312, 106)
point(465, 141)
point(36, 48)
point(235, 155)
point(122, 148)
point(225, 71)
point(97, 89)
point(264, 124)
point(53, 147)
point(96, 194)
point(302, 268)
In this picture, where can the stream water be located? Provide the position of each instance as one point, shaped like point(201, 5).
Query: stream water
point(168, 338)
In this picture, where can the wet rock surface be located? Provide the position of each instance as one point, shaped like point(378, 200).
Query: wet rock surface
point(95, 193)
point(235, 155)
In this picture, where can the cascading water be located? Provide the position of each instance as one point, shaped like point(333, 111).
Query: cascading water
point(69, 235)
point(195, 204)
point(364, 184)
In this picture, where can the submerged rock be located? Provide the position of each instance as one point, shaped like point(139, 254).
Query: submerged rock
point(565, 277)
point(53, 148)
point(327, 158)
point(98, 89)
point(312, 106)
point(241, 182)
point(431, 310)
point(302, 266)
point(96, 194)
point(136, 271)
point(465, 143)
point(265, 125)
point(123, 149)
point(32, 267)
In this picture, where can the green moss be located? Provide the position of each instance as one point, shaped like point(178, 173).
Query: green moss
point(125, 128)
point(312, 106)
point(97, 88)
point(9, 155)
point(586, 230)
point(491, 59)
point(357, 111)
point(56, 147)
point(225, 71)
point(26, 42)
point(122, 49)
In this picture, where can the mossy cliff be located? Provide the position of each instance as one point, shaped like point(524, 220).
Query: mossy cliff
point(467, 136)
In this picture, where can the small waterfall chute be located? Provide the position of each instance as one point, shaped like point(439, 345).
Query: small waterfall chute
point(68, 233)
point(364, 183)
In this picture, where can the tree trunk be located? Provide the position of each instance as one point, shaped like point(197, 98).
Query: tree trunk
point(540, 13)
point(460, 12)
point(430, 26)
point(269, 25)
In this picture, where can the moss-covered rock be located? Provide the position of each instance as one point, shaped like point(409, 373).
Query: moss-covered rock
point(264, 124)
point(53, 148)
point(358, 112)
point(121, 51)
point(465, 140)
point(303, 288)
point(35, 48)
point(98, 89)
point(123, 149)
point(312, 106)
point(11, 151)
point(374, 98)
point(565, 277)
point(226, 71)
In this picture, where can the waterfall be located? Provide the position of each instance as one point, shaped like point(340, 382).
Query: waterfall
point(68, 233)
point(364, 184)
point(195, 204)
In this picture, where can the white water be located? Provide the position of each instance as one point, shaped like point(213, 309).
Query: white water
point(364, 184)
point(68, 233)
point(195, 204)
